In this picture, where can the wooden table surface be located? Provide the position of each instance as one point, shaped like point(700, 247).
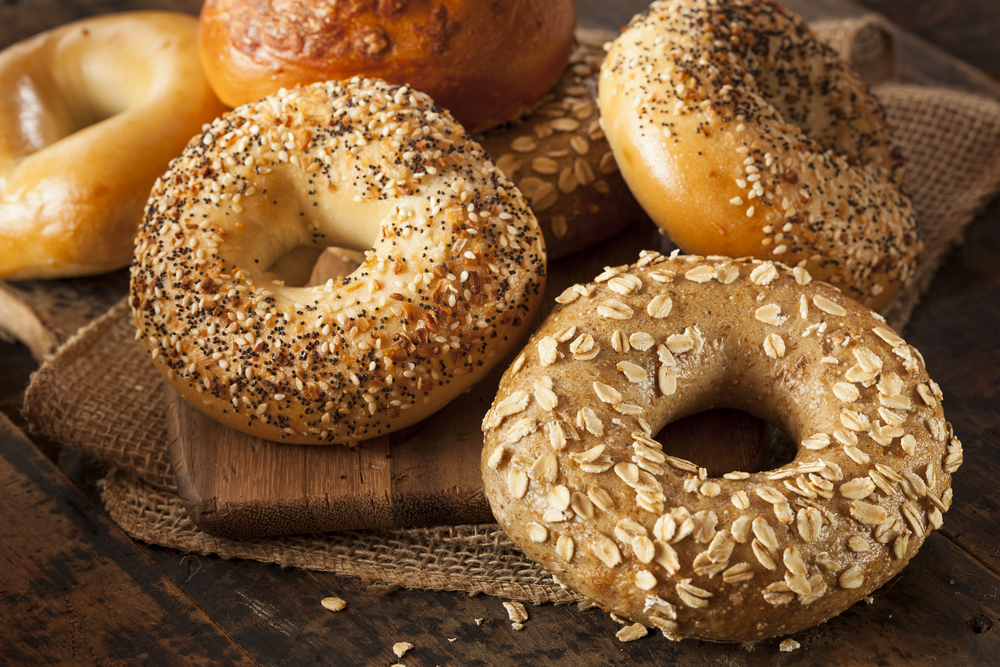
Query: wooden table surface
point(75, 590)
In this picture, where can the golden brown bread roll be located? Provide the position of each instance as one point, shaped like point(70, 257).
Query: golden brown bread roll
point(487, 62)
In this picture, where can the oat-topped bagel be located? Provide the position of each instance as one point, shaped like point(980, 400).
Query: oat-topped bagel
point(561, 161)
point(575, 475)
point(743, 135)
point(454, 268)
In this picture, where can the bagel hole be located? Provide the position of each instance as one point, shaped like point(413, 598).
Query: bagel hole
point(306, 266)
point(294, 268)
point(724, 440)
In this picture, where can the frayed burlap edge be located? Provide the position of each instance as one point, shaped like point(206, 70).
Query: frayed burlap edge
point(866, 42)
point(474, 559)
point(100, 394)
point(951, 142)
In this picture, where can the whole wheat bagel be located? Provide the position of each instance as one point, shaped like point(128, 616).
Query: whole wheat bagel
point(742, 135)
point(453, 270)
point(90, 115)
point(562, 163)
point(575, 475)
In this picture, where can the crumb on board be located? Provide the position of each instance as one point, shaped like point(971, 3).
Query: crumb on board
point(632, 632)
point(516, 612)
point(789, 645)
point(334, 604)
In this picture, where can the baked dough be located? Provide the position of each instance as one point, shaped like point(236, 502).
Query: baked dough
point(575, 475)
point(487, 62)
point(562, 163)
point(90, 114)
point(741, 134)
point(453, 271)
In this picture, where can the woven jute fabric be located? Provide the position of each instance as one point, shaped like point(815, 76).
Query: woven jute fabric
point(100, 393)
point(951, 142)
point(865, 42)
point(475, 559)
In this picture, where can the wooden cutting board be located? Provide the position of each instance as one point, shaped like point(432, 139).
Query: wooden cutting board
point(240, 487)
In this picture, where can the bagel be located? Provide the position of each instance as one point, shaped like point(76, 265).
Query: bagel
point(574, 473)
point(90, 114)
point(561, 162)
point(486, 62)
point(454, 267)
point(743, 135)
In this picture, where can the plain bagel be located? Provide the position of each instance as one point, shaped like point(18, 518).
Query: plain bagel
point(486, 62)
point(576, 477)
point(742, 135)
point(454, 264)
point(90, 114)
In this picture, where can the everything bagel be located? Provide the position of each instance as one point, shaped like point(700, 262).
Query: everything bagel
point(90, 114)
point(454, 268)
point(575, 475)
point(742, 135)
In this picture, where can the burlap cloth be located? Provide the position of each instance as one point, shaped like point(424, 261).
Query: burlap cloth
point(100, 394)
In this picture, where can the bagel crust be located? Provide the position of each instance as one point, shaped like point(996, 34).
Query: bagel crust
point(562, 163)
point(454, 269)
point(743, 135)
point(574, 474)
point(486, 62)
point(90, 114)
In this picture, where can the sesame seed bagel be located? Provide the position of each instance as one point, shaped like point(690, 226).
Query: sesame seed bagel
point(743, 135)
point(90, 114)
point(575, 475)
point(454, 268)
point(487, 62)
point(560, 160)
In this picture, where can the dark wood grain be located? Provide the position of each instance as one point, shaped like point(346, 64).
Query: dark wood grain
point(921, 62)
point(74, 590)
point(967, 29)
point(240, 487)
point(919, 614)
point(956, 330)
